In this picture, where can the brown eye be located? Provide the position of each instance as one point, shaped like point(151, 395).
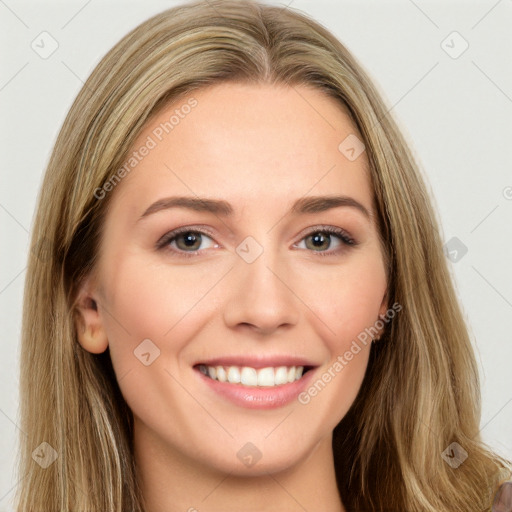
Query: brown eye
point(320, 240)
point(185, 241)
point(191, 240)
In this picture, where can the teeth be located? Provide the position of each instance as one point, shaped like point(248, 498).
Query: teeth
point(281, 375)
point(221, 374)
point(234, 375)
point(266, 377)
point(247, 376)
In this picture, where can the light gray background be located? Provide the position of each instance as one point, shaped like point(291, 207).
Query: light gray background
point(456, 113)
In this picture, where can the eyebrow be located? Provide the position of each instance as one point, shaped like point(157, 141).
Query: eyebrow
point(304, 205)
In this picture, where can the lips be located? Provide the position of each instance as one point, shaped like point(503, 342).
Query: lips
point(256, 382)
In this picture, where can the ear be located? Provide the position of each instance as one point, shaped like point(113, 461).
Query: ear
point(382, 312)
point(384, 304)
point(88, 322)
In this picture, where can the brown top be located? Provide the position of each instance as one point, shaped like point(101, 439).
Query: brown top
point(503, 498)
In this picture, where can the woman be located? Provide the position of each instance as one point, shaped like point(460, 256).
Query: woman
point(185, 377)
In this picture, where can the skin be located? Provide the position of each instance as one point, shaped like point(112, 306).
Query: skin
point(260, 148)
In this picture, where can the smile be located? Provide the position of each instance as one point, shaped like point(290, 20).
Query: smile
point(252, 377)
point(256, 381)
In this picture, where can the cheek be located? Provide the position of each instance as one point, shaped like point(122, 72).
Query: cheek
point(346, 305)
point(156, 302)
point(346, 299)
point(167, 306)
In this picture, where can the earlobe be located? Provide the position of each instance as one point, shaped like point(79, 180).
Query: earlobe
point(89, 326)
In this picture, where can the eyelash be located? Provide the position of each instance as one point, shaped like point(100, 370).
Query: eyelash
point(163, 243)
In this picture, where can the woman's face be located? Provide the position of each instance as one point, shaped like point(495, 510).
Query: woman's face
point(254, 288)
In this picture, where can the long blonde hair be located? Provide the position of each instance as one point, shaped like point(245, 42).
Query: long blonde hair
point(421, 389)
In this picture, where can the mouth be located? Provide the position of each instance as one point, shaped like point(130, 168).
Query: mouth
point(248, 376)
point(256, 383)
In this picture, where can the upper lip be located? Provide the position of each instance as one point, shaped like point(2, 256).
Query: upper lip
point(257, 361)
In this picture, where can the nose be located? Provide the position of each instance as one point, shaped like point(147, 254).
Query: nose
point(261, 297)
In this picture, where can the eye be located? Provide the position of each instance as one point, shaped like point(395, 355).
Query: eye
point(186, 241)
point(321, 238)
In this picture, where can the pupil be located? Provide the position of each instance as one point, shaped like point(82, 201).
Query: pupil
point(190, 239)
point(318, 240)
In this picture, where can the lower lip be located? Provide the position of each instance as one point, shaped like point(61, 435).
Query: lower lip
point(258, 397)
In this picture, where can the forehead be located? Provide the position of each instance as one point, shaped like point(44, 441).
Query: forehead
point(264, 144)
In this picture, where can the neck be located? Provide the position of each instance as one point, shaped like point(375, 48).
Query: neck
point(171, 481)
